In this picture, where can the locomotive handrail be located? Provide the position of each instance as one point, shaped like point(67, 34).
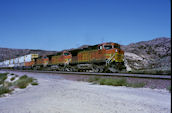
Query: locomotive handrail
point(109, 59)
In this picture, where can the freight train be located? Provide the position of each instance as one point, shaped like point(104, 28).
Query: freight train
point(105, 57)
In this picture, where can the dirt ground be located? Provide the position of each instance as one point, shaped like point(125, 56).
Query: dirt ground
point(54, 94)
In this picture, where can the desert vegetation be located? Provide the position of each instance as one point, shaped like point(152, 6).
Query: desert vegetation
point(115, 82)
point(121, 82)
point(9, 82)
point(23, 81)
point(169, 88)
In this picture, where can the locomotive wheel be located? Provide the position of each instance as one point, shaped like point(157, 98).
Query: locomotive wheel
point(97, 69)
point(101, 69)
point(113, 70)
point(74, 70)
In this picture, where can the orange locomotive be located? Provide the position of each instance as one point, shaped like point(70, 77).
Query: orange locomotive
point(53, 62)
point(59, 61)
point(98, 58)
point(41, 62)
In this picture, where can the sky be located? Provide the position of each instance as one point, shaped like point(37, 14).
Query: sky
point(64, 24)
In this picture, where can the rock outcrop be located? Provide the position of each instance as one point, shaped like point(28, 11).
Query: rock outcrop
point(149, 55)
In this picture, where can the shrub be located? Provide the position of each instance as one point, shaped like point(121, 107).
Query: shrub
point(4, 90)
point(3, 77)
point(115, 82)
point(23, 81)
point(34, 83)
point(12, 73)
point(92, 79)
point(4, 74)
point(7, 84)
point(169, 88)
point(23, 77)
point(12, 78)
point(102, 81)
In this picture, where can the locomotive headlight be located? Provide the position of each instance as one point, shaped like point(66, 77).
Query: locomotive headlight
point(116, 50)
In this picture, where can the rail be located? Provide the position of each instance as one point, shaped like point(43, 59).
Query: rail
point(103, 74)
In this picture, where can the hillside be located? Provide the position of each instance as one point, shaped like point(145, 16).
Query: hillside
point(7, 53)
point(154, 54)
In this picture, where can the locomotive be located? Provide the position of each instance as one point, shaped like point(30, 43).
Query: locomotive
point(105, 57)
point(98, 58)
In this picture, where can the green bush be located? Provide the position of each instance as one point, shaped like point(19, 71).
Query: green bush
point(4, 90)
point(3, 77)
point(7, 84)
point(23, 81)
point(115, 82)
point(12, 78)
point(92, 79)
point(4, 74)
point(169, 88)
point(23, 77)
point(101, 81)
point(34, 83)
point(112, 82)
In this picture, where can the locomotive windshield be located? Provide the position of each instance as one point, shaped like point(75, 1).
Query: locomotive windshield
point(117, 46)
point(66, 54)
point(108, 47)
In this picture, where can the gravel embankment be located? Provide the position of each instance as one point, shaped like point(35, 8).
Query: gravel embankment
point(57, 95)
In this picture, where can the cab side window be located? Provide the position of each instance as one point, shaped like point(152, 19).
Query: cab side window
point(66, 54)
point(100, 47)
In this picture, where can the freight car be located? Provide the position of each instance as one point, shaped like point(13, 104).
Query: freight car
point(23, 62)
point(29, 61)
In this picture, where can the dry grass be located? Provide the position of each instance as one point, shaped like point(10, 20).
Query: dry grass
point(169, 88)
point(114, 82)
point(3, 77)
point(23, 81)
point(4, 90)
point(13, 78)
point(34, 83)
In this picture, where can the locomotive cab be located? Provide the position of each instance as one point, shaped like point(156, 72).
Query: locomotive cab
point(108, 46)
point(112, 52)
point(66, 53)
point(67, 57)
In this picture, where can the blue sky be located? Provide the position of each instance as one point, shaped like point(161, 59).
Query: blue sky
point(64, 24)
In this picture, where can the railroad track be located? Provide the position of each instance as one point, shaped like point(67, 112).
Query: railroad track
point(168, 77)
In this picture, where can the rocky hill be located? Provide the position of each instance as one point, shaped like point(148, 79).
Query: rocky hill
point(149, 55)
point(7, 53)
